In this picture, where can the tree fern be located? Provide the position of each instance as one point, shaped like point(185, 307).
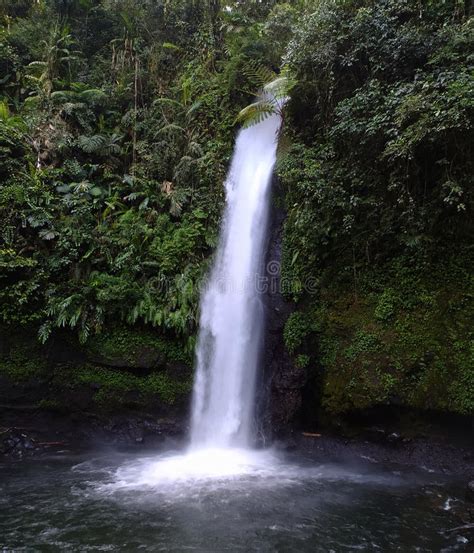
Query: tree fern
point(170, 129)
point(259, 74)
point(271, 96)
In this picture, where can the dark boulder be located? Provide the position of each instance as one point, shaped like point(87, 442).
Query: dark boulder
point(17, 443)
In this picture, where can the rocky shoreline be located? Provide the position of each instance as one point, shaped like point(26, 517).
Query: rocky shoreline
point(27, 433)
point(426, 454)
point(35, 433)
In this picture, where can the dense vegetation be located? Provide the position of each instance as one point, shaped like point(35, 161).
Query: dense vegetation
point(380, 199)
point(116, 125)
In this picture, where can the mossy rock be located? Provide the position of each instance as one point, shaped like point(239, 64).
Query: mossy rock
point(135, 349)
point(35, 375)
point(406, 340)
point(102, 388)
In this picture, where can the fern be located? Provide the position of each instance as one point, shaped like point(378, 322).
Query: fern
point(273, 96)
point(91, 144)
point(93, 95)
point(167, 102)
point(255, 113)
point(44, 332)
point(259, 74)
point(170, 129)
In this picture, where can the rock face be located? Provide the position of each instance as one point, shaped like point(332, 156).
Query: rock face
point(128, 386)
point(280, 397)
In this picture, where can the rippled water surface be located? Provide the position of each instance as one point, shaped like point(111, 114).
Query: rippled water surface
point(216, 501)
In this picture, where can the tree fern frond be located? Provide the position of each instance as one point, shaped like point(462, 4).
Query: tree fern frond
point(278, 88)
point(259, 73)
point(93, 95)
point(281, 86)
point(255, 113)
point(63, 96)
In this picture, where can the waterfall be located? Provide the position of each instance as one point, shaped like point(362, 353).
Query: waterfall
point(230, 335)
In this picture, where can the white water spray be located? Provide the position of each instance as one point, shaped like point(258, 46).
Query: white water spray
point(231, 310)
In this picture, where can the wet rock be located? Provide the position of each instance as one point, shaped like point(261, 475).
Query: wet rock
point(146, 358)
point(375, 434)
point(470, 491)
point(16, 443)
point(131, 429)
point(285, 403)
point(394, 438)
point(381, 436)
point(293, 379)
point(283, 382)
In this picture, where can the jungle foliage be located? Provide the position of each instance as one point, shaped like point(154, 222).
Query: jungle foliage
point(116, 126)
point(117, 119)
point(380, 202)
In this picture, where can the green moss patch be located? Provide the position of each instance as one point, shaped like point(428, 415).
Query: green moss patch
point(406, 339)
point(112, 387)
point(67, 387)
point(138, 348)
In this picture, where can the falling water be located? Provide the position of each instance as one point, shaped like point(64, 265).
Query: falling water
point(231, 307)
point(229, 344)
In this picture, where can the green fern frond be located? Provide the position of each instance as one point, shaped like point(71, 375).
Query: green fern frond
point(259, 74)
point(167, 101)
point(278, 88)
point(93, 95)
point(255, 113)
point(64, 96)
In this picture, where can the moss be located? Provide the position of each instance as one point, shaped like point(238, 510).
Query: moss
point(23, 362)
point(52, 405)
point(104, 388)
point(118, 387)
point(407, 339)
point(297, 328)
point(362, 343)
point(130, 344)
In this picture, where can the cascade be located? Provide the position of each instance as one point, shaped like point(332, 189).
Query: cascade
point(231, 322)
